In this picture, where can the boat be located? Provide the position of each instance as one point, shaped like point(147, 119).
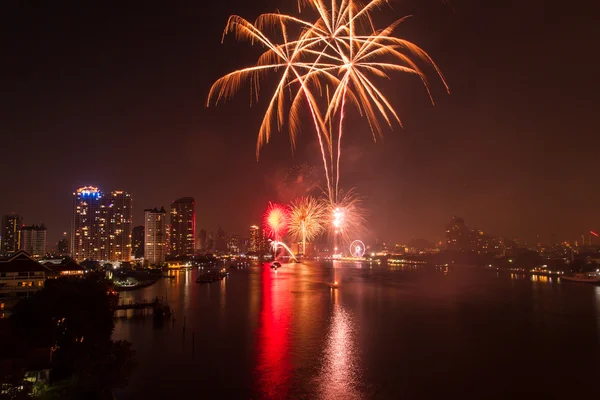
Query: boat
point(588, 277)
point(121, 286)
point(334, 285)
point(276, 265)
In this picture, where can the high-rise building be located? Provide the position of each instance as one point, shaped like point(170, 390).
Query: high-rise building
point(101, 227)
point(183, 227)
point(62, 247)
point(33, 240)
point(88, 229)
point(9, 241)
point(458, 236)
point(210, 242)
point(244, 245)
point(233, 244)
point(137, 241)
point(264, 245)
point(202, 243)
point(119, 220)
point(254, 239)
point(155, 235)
point(221, 241)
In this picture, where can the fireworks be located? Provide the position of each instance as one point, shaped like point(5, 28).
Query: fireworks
point(335, 58)
point(347, 218)
point(276, 221)
point(275, 245)
point(307, 219)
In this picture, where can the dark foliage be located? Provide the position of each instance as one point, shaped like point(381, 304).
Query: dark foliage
point(75, 317)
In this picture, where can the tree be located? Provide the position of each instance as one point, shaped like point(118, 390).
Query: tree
point(75, 317)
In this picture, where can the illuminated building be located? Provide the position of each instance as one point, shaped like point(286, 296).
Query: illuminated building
point(233, 244)
point(64, 267)
point(264, 245)
point(254, 239)
point(88, 229)
point(137, 241)
point(155, 235)
point(458, 236)
point(20, 277)
point(101, 226)
point(9, 241)
point(33, 240)
point(119, 219)
point(183, 227)
point(462, 239)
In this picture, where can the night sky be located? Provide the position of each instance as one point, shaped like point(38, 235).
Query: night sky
point(113, 95)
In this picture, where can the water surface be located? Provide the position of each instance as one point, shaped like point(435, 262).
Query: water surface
point(386, 333)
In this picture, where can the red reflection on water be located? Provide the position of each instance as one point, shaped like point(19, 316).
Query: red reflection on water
point(274, 367)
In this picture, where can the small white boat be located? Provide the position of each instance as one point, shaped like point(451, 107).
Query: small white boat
point(589, 277)
point(334, 285)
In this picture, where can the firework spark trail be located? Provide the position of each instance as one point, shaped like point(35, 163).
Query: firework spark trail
point(307, 219)
point(347, 218)
point(341, 50)
point(276, 220)
point(275, 245)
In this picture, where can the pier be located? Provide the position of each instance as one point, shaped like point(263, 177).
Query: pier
point(138, 305)
point(139, 309)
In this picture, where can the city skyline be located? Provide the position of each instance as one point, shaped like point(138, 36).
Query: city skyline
point(223, 237)
point(492, 152)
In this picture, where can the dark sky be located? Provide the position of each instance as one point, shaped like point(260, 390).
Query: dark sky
point(113, 95)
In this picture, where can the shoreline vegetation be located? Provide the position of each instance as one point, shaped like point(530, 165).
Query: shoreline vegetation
point(58, 343)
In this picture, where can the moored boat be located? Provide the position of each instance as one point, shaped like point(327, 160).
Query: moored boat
point(588, 277)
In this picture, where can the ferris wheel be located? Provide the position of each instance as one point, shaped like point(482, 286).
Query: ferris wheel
point(357, 249)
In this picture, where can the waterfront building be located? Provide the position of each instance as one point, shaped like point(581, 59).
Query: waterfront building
point(88, 228)
point(155, 235)
point(254, 239)
point(20, 277)
point(119, 220)
point(10, 234)
point(33, 240)
point(183, 227)
point(101, 225)
point(63, 267)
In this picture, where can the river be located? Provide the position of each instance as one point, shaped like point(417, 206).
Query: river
point(385, 333)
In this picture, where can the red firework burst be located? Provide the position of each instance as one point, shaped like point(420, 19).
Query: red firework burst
point(276, 220)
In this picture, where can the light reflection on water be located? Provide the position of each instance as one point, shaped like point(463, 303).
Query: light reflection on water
point(339, 374)
point(402, 331)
